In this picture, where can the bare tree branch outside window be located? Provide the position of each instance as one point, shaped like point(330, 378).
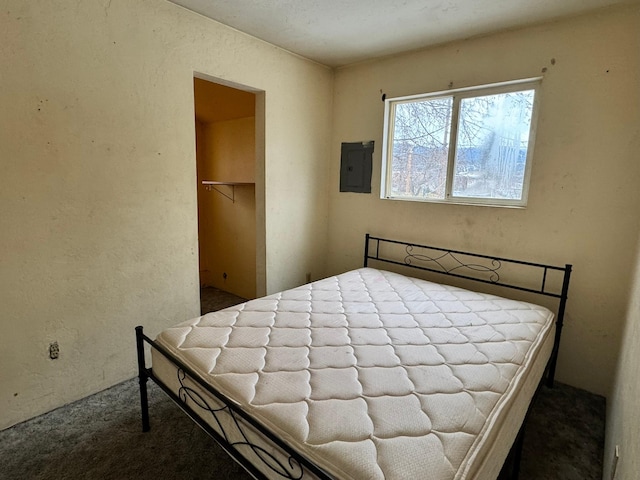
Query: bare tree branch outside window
point(490, 146)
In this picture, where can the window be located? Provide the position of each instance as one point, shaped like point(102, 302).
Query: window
point(471, 145)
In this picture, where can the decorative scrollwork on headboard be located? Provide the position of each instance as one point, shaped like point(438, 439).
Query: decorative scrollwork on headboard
point(458, 265)
point(520, 275)
point(504, 272)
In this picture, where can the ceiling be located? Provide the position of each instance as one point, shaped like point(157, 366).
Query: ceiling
point(341, 32)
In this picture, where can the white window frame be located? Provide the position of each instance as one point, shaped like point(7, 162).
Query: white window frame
point(458, 94)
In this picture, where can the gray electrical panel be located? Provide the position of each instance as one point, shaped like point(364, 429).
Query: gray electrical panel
point(356, 166)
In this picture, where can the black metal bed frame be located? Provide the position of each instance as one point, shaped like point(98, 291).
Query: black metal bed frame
point(462, 265)
point(289, 464)
point(295, 466)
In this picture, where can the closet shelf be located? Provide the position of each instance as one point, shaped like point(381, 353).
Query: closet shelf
point(210, 182)
point(211, 185)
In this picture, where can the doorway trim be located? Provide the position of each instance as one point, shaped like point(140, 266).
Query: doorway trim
point(260, 203)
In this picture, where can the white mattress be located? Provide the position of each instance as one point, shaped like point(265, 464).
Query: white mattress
point(374, 375)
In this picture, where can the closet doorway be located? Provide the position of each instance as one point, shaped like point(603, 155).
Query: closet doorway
point(229, 131)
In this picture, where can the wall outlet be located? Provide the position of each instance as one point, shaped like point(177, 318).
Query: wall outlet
point(54, 350)
point(614, 463)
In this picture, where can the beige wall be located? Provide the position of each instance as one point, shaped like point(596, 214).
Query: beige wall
point(623, 405)
point(216, 102)
point(231, 149)
point(98, 230)
point(584, 201)
point(227, 213)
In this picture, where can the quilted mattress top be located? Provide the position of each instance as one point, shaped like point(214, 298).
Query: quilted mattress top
point(370, 374)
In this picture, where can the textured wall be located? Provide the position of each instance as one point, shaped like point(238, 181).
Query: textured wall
point(98, 230)
point(227, 214)
point(623, 405)
point(584, 200)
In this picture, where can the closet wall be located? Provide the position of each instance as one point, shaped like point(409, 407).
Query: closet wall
point(225, 154)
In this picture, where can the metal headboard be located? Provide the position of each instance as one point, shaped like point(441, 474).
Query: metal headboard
point(478, 268)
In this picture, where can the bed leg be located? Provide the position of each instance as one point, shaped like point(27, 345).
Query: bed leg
point(517, 456)
point(511, 468)
point(551, 374)
point(559, 324)
point(142, 380)
point(553, 361)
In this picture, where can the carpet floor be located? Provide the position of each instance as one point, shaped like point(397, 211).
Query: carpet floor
point(100, 437)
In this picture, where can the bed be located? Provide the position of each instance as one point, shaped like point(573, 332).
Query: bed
point(373, 373)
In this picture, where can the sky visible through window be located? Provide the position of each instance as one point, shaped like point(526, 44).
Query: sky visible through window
point(491, 142)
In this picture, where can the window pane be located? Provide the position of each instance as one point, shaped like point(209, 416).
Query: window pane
point(491, 148)
point(420, 148)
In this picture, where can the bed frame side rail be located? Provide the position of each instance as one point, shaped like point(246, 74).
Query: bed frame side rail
point(475, 267)
point(293, 468)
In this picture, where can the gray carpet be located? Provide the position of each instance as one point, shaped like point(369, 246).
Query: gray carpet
point(212, 299)
point(564, 437)
point(100, 437)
